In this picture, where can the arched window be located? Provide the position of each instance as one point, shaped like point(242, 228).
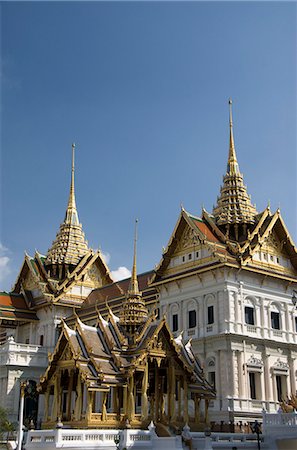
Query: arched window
point(211, 372)
point(174, 317)
point(275, 317)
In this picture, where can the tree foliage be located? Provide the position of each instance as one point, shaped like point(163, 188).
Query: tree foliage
point(5, 425)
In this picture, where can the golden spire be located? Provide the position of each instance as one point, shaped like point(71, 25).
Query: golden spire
point(133, 288)
point(134, 312)
point(70, 244)
point(71, 215)
point(234, 205)
point(232, 166)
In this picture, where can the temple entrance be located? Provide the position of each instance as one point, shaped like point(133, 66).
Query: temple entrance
point(158, 391)
point(30, 404)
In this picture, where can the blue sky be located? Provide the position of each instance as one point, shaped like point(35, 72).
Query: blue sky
point(142, 89)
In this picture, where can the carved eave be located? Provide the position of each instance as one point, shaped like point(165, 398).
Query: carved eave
point(146, 326)
point(121, 338)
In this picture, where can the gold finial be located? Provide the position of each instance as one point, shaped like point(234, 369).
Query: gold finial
point(232, 166)
point(71, 216)
point(134, 283)
point(71, 203)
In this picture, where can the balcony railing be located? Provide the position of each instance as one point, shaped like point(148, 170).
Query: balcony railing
point(15, 354)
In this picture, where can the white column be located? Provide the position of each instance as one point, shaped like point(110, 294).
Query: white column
point(240, 373)
point(267, 377)
point(292, 374)
point(263, 318)
point(288, 322)
point(267, 312)
point(236, 312)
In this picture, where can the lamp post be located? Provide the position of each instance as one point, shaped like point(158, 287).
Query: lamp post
point(256, 428)
point(24, 385)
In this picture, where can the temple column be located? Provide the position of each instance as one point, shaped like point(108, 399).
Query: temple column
point(144, 386)
point(179, 396)
point(116, 401)
point(206, 418)
point(125, 400)
point(157, 394)
point(90, 401)
point(69, 396)
point(78, 401)
point(186, 410)
point(46, 402)
point(171, 391)
point(197, 409)
point(103, 408)
point(56, 402)
point(131, 401)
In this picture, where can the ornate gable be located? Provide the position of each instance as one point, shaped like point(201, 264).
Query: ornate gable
point(192, 244)
point(271, 246)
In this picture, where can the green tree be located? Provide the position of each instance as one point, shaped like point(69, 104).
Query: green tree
point(5, 425)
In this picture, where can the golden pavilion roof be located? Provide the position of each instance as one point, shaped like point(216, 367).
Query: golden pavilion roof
point(233, 204)
point(70, 244)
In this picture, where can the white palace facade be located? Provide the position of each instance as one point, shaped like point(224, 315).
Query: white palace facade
point(227, 281)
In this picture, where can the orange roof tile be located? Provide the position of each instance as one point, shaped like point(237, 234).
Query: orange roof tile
point(205, 230)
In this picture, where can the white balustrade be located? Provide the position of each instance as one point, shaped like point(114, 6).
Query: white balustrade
point(15, 354)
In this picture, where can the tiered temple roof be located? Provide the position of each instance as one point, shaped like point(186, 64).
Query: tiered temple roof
point(234, 205)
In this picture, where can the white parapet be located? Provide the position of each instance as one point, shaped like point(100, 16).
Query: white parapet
point(99, 439)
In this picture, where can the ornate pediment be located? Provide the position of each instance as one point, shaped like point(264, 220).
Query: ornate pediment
point(273, 245)
point(67, 354)
point(281, 365)
point(255, 362)
point(188, 240)
point(93, 275)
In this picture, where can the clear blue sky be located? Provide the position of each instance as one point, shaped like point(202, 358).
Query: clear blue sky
point(142, 88)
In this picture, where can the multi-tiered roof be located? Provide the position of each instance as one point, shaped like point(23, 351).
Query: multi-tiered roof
point(234, 207)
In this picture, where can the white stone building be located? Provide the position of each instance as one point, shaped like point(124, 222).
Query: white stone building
point(228, 280)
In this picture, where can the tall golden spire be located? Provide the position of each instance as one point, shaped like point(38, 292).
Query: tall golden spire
point(232, 166)
point(234, 205)
point(70, 244)
point(71, 215)
point(134, 312)
point(133, 288)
